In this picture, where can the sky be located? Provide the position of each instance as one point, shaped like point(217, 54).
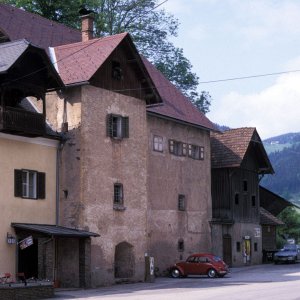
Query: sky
point(237, 38)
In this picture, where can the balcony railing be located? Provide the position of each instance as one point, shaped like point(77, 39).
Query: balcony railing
point(21, 121)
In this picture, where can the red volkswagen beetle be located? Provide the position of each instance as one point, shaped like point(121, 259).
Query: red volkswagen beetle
point(200, 264)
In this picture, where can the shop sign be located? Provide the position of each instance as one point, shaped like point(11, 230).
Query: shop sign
point(26, 242)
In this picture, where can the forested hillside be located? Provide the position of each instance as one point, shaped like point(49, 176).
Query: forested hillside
point(284, 153)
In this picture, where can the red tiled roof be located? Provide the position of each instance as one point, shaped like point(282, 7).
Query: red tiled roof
point(175, 104)
point(19, 24)
point(78, 62)
point(228, 148)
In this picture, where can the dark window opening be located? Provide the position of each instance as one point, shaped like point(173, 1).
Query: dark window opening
point(117, 72)
point(181, 245)
point(255, 247)
point(236, 199)
point(118, 194)
point(253, 200)
point(238, 247)
point(245, 185)
point(117, 126)
point(181, 202)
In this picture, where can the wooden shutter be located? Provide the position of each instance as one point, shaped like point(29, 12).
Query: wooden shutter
point(109, 125)
point(125, 127)
point(41, 185)
point(18, 183)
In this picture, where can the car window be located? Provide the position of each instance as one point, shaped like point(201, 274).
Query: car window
point(191, 259)
point(203, 259)
point(217, 258)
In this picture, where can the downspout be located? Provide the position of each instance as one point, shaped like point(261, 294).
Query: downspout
point(57, 184)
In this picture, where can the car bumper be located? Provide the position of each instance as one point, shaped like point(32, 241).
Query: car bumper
point(282, 258)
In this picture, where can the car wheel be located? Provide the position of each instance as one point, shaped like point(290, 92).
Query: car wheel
point(211, 273)
point(175, 273)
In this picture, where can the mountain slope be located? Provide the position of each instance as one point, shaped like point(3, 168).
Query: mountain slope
point(284, 154)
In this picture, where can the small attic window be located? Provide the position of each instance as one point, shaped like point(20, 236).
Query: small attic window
point(117, 72)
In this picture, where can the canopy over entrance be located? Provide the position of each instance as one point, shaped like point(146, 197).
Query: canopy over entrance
point(54, 230)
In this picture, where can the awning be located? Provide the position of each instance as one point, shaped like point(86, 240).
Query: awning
point(54, 230)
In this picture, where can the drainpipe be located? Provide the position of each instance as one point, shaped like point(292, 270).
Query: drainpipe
point(58, 155)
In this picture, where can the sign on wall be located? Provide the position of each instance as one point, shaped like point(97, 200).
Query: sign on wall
point(26, 242)
point(257, 232)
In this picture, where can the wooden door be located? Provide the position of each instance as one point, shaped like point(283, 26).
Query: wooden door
point(227, 249)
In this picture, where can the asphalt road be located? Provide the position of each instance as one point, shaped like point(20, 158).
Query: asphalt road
point(267, 282)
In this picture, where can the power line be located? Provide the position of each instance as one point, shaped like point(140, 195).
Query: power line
point(249, 77)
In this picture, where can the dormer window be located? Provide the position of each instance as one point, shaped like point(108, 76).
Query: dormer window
point(117, 72)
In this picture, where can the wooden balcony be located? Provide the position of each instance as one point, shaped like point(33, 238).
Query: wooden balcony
point(21, 122)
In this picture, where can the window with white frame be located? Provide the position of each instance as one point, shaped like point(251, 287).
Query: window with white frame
point(196, 152)
point(158, 143)
point(117, 126)
point(30, 184)
point(177, 148)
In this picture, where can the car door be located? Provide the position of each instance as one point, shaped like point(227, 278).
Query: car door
point(298, 252)
point(204, 265)
point(191, 265)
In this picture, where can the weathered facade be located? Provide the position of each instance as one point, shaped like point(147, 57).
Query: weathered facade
point(179, 198)
point(238, 159)
point(104, 158)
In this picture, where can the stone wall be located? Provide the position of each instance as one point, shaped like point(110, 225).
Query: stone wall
point(169, 176)
point(26, 292)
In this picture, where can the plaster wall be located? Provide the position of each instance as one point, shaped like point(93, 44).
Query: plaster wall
point(24, 153)
point(169, 176)
point(92, 163)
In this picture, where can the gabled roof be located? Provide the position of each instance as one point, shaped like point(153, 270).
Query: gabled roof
point(266, 218)
point(175, 105)
point(10, 53)
point(13, 53)
point(78, 62)
point(229, 148)
point(18, 24)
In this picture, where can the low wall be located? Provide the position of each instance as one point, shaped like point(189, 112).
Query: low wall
point(15, 292)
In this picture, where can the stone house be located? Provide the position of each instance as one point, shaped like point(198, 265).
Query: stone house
point(238, 162)
point(179, 196)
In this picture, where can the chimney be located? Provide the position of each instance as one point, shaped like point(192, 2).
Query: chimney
point(87, 27)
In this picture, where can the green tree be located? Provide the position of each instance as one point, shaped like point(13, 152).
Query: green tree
point(149, 25)
point(291, 217)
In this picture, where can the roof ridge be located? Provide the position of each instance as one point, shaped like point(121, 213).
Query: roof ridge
point(91, 41)
point(11, 7)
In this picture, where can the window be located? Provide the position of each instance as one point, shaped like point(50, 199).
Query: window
point(245, 185)
point(117, 126)
point(157, 143)
point(118, 194)
point(181, 202)
point(117, 72)
point(236, 198)
point(30, 184)
point(180, 245)
point(177, 148)
point(253, 200)
point(255, 247)
point(238, 247)
point(196, 152)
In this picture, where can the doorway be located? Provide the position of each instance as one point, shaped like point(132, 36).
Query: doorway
point(227, 249)
point(28, 260)
point(124, 260)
